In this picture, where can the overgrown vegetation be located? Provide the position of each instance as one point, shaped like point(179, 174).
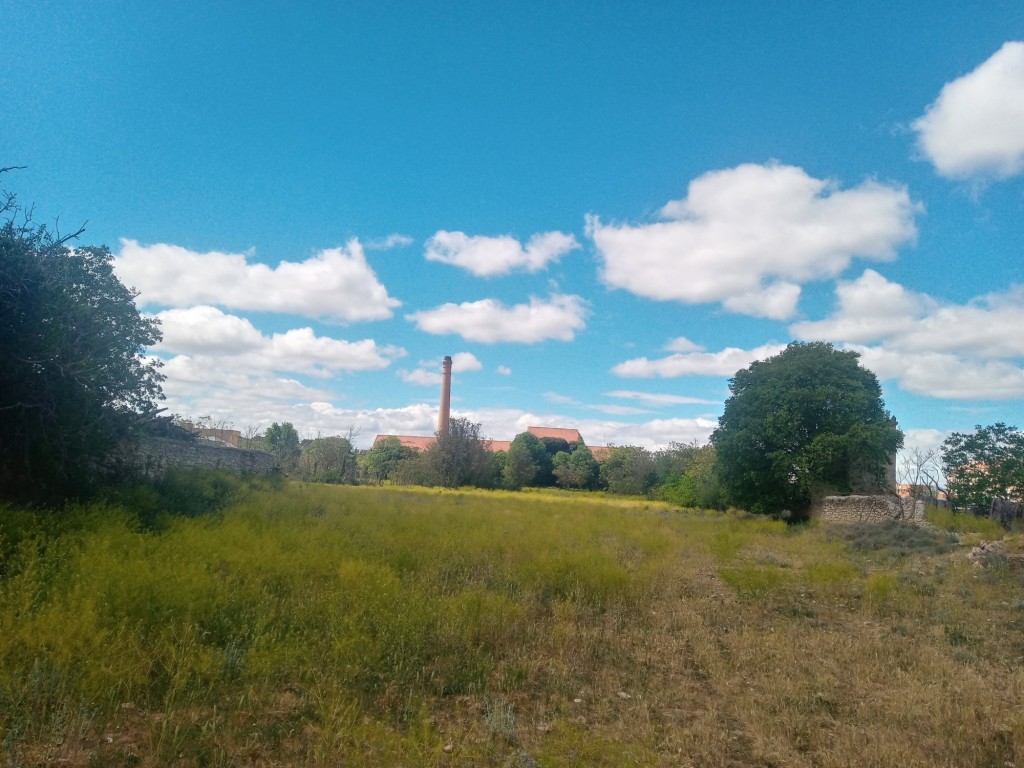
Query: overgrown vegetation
point(327, 625)
point(73, 381)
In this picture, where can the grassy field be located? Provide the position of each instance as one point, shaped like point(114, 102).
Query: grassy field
point(347, 626)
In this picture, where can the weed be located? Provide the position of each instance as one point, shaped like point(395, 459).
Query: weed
point(325, 625)
point(892, 539)
point(964, 522)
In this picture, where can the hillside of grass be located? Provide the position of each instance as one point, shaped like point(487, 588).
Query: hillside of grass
point(352, 626)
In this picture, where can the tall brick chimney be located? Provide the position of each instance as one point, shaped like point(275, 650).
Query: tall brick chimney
point(446, 398)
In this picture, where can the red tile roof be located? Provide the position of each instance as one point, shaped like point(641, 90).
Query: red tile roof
point(569, 435)
point(416, 442)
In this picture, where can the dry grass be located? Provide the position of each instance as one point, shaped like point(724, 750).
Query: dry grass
point(334, 626)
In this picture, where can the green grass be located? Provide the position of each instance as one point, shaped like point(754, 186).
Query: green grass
point(326, 625)
point(964, 522)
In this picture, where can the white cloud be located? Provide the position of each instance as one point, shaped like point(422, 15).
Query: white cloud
point(465, 361)
point(420, 377)
point(976, 126)
point(389, 242)
point(336, 283)
point(491, 256)
point(618, 410)
point(489, 321)
point(226, 342)
point(683, 344)
point(429, 371)
point(944, 375)
point(959, 351)
point(504, 424)
point(316, 414)
point(656, 399)
point(923, 439)
point(504, 370)
point(206, 330)
point(697, 363)
point(749, 236)
point(559, 399)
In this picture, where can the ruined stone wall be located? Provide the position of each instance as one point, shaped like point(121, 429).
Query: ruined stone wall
point(868, 509)
point(153, 456)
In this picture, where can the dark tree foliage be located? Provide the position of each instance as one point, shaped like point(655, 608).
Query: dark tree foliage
point(809, 420)
point(283, 441)
point(526, 461)
point(629, 470)
point(698, 485)
point(327, 460)
point(73, 380)
point(460, 457)
point(577, 470)
point(984, 465)
point(380, 462)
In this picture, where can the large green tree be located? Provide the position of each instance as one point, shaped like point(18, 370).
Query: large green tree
point(629, 470)
point(807, 421)
point(283, 441)
point(378, 463)
point(526, 460)
point(984, 465)
point(328, 460)
point(73, 380)
point(578, 469)
point(460, 456)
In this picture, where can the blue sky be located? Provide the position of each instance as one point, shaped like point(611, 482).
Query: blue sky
point(601, 210)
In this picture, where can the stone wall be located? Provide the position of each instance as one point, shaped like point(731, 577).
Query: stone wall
point(155, 455)
point(868, 509)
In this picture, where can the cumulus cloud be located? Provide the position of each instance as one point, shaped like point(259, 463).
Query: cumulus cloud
point(695, 363)
point(504, 424)
point(504, 370)
point(315, 413)
point(336, 283)
point(491, 256)
point(976, 125)
point(959, 351)
point(227, 342)
point(489, 321)
point(429, 371)
point(749, 236)
point(659, 399)
point(420, 377)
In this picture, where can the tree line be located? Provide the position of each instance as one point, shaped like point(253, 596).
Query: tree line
point(75, 382)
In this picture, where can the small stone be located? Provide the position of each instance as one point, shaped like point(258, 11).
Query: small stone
point(449, 747)
point(624, 695)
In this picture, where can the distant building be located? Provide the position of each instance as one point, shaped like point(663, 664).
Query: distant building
point(423, 442)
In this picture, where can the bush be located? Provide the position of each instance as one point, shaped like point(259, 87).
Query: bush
point(892, 538)
point(186, 493)
point(963, 522)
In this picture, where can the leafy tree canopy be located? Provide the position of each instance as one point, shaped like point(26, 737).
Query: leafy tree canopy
point(383, 458)
point(73, 380)
point(460, 457)
point(527, 460)
point(577, 470)
point(984, 465)
point(806, 421)
point(629, 470)
point(328, 460)
point(283, 441)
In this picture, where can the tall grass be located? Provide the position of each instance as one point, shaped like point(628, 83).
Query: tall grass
point(318, 625)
